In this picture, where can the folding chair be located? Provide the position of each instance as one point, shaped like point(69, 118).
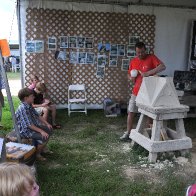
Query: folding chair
point(15, 67)
point(77, 95)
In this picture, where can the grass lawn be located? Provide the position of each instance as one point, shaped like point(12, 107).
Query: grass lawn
point(13, 75)
point(88, 159)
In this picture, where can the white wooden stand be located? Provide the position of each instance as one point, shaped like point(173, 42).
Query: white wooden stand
point(160, 138)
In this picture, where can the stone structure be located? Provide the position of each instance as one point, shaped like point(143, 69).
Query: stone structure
point(158, 100)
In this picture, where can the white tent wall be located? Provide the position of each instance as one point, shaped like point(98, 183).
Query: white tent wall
point(173, 27)
point(172, 30)
point(172, 35)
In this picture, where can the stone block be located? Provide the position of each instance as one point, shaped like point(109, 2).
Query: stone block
point(158, 92)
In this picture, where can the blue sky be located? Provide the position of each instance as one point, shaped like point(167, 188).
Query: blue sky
point(7, 30)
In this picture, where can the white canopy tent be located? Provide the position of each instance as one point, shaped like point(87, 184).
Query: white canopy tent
point(172, 35)
point(173, 23)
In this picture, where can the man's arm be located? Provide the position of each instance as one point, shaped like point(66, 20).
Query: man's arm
point(159, 68)
point(40, 105)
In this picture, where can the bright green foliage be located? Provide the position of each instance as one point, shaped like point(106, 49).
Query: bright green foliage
point(6, 115)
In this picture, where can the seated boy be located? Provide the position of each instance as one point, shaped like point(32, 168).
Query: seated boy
point(30, 123)
point(43, 106)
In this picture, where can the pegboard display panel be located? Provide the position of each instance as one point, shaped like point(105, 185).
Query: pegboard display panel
point(112, 28)
point(143, 26)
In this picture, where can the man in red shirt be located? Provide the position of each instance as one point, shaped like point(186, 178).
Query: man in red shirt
point(146, 65)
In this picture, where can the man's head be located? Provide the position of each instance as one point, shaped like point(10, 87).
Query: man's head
point(25, 93)
point(40, 87)
point(140, 49)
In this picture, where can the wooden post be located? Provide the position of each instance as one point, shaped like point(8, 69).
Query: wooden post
point(2, 150)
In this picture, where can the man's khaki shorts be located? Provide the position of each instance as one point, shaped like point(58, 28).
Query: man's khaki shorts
point(132, 104)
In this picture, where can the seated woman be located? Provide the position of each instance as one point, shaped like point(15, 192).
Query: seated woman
point(43, 106)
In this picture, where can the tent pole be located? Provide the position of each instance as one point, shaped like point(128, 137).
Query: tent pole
point(20, 41)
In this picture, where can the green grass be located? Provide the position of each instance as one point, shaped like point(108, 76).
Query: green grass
point(88, 159)
point(6, 116)
point(13, 76)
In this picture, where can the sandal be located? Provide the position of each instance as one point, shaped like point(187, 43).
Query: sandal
point(46, 151)
point(56, 126)
point(40, 158)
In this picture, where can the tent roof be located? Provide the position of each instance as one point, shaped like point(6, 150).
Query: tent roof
point(170, 3)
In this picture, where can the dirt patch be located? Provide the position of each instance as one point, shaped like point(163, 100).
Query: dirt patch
point(152, 173)
point(183, 167)
point(15, 86)
point(126, 147)
point(149, 175)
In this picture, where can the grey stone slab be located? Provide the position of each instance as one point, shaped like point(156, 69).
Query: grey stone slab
point(158, 92)
point(160, 146)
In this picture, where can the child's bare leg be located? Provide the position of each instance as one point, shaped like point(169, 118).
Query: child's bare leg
point(45, 113)
point(39, 149)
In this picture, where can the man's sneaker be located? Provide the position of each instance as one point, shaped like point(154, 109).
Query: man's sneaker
point(125, 136)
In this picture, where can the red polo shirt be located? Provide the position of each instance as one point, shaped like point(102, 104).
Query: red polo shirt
point(148, 63)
